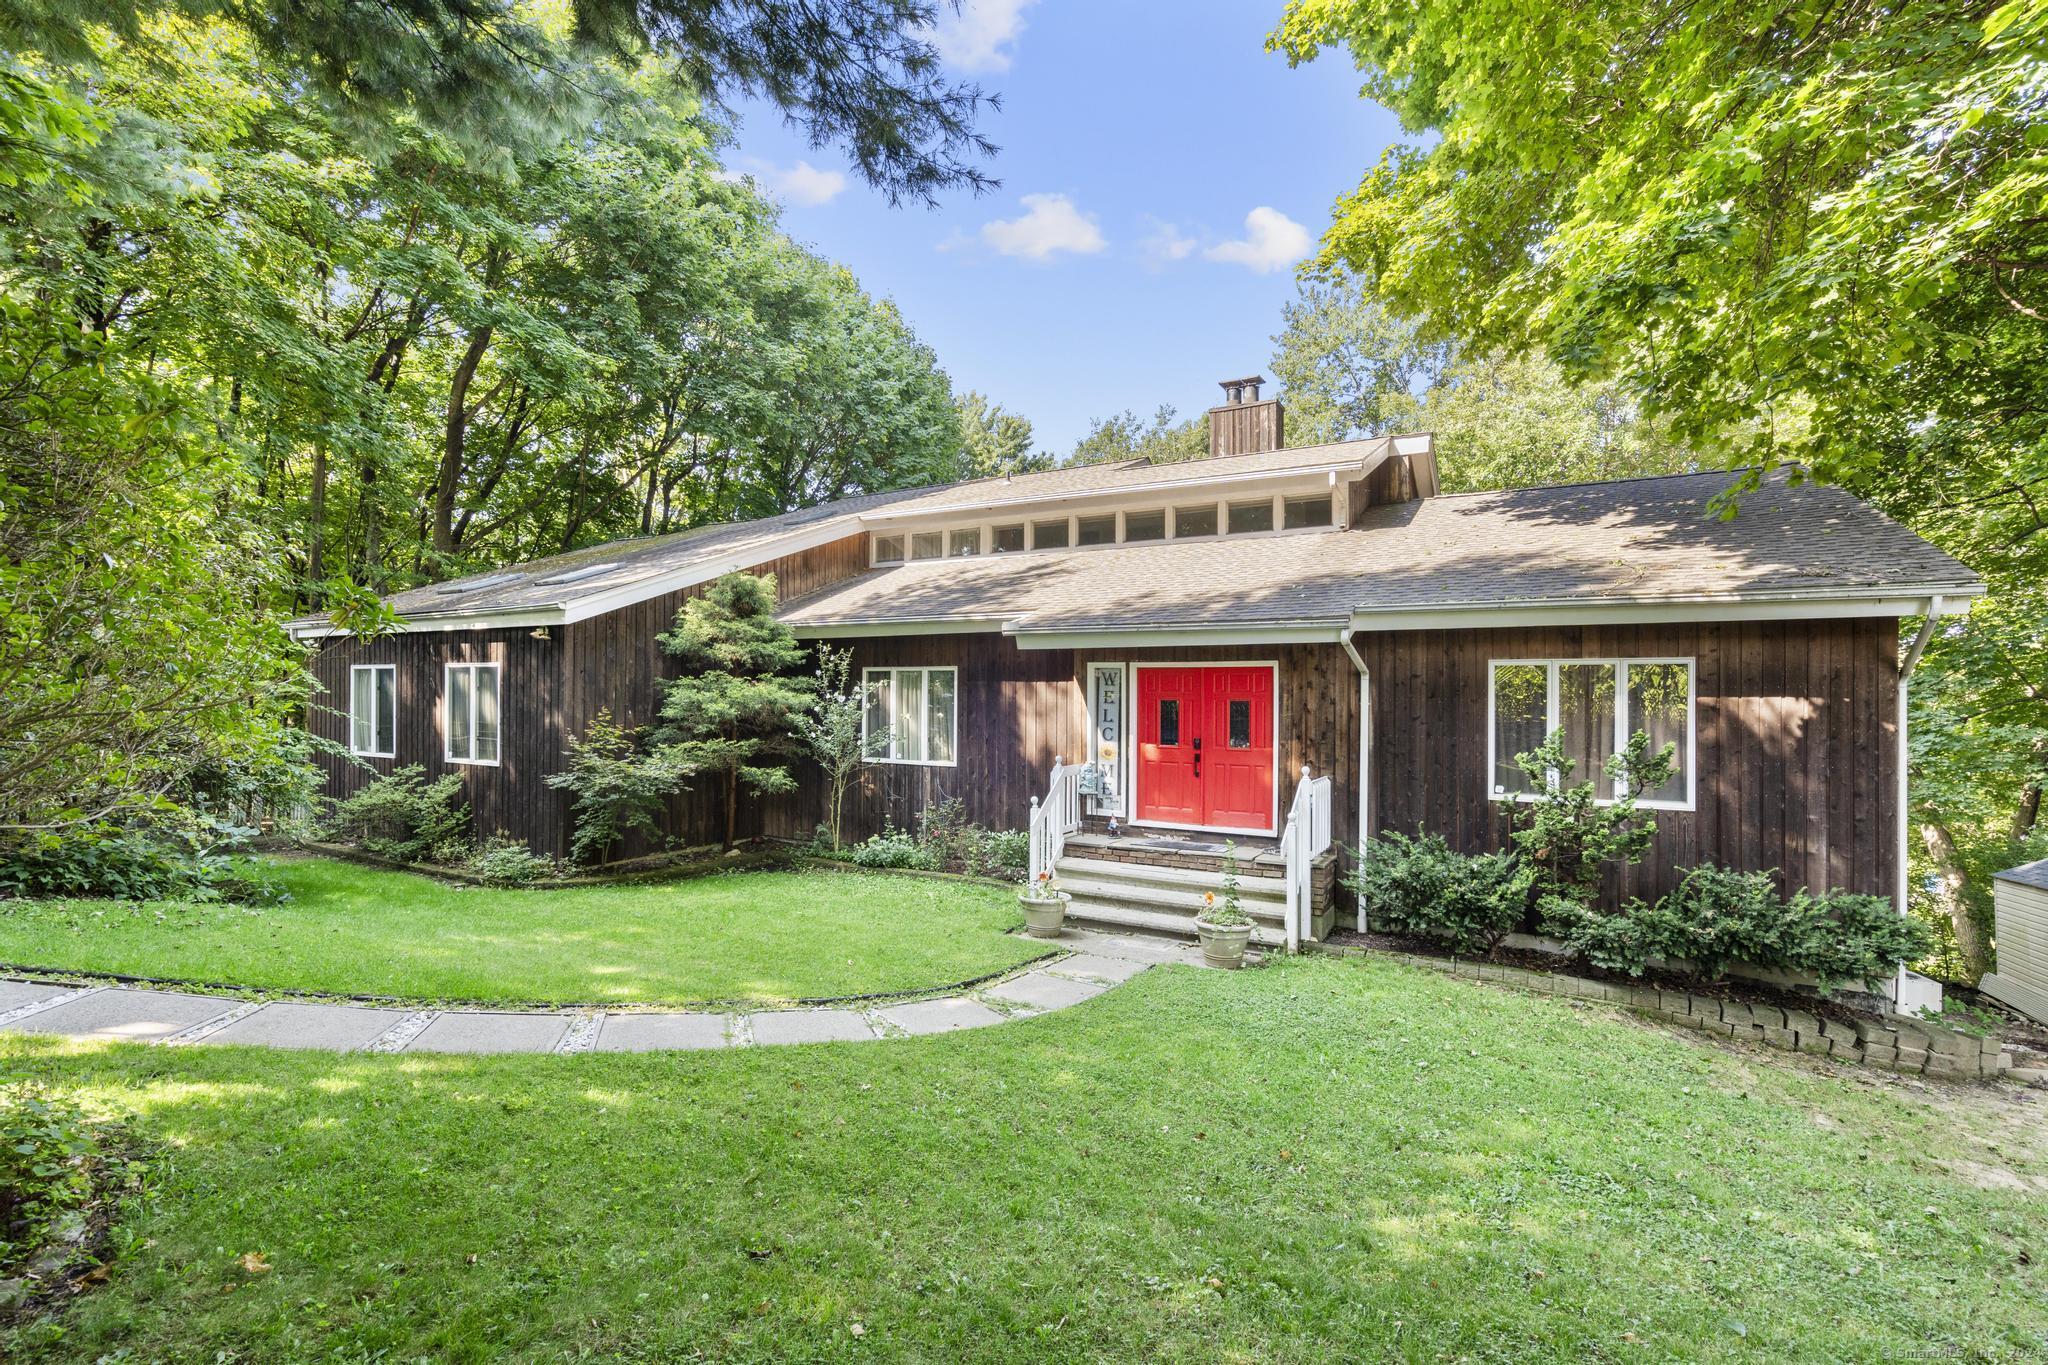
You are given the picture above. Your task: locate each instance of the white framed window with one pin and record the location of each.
(912, 715)
(888, 549)
(1598, 704)
(967, 542)
(373, 710)
(469, 713)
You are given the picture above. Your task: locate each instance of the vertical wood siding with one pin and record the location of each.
(550, 689)
(1797, 744)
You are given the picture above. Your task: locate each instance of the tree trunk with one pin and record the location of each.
(316, 519)
(2028, 813)
(448, 480)
(1951, 885)
(732, 805)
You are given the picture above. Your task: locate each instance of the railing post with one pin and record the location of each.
(1036, 835)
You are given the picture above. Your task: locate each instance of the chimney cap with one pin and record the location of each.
(1248, 379)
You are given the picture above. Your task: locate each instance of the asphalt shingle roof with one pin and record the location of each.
(2027, 874)
(1639, 539)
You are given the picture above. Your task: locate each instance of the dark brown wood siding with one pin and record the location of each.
(1021, 709)
(550, 689)
(1797, 743)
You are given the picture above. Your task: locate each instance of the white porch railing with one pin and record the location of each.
(1054, 818)
(1305, 838)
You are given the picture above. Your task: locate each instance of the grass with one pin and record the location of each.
(753, 936)
(1314, 1160)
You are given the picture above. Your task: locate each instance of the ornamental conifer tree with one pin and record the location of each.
(733, 713)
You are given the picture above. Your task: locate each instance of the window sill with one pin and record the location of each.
(912, 762)
(1526, 798)
(373, 753)
(472, 762)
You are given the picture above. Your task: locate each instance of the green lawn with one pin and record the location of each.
(756, 936)
(1315, 1160)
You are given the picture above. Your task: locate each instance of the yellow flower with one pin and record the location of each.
(1208, 898)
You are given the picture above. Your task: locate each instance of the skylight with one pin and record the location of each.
(478, 584)
(576, 575)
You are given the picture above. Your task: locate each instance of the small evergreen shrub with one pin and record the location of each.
(1003, 850)
(502, 860)
(1422, 886)
(403, 816)
(1716, 916)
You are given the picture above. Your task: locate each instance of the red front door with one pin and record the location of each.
(1205, 747)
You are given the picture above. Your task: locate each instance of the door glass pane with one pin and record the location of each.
(1585, 712)
(1302, 512)
(387, 710)
(1194, 521)
(1049, 535)
(965, 542)
(458, 713)
(879, 691)
(927, 545)
(910, 714)
(1169, 721)
(1520, 702)
(1240, 725)
(1002, 538)
(1250, 516)
(940, 717)
(487, 715)
(888, 549)
(1657, 700)
(1097, 531)
(1145, 525)
(359, 704)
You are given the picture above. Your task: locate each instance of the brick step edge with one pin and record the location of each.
(1893, 1044)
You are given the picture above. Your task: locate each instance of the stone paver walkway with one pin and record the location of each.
(1097, 961)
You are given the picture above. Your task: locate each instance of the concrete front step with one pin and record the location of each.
(1124, 915)
(1182, 880)
(1170, 900)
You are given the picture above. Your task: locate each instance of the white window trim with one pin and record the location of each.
(866, 674)
(985, 526)
(354, 669)
(447, 731)
(1551, 721)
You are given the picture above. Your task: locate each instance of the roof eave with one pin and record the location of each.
(1810, 604)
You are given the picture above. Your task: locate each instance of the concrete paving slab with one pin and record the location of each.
(1096, 967)
(1036, 990)
(656, 1032)
(808, 1026)
(940, 1016)
(486, 1032)
(15, 994)
(126, 1016)
(291, 1023)
(1130, 947)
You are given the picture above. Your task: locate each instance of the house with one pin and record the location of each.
(1289, 647)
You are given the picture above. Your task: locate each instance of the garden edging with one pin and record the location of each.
(1894, 1043)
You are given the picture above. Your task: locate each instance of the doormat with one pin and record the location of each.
(1180, 846)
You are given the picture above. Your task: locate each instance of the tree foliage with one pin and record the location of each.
(500, 78)
(735, 710)
(1814, 232)
(831, 730)
(1127, 436)
(993, 441)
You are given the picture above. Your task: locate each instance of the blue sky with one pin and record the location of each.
(1162, 173)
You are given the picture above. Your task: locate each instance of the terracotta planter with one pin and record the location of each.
(1223, 945)
(1043, 918)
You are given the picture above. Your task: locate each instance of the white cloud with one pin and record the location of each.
(1165, 244)
(1050, 224)
(1272, 241)
(977, 38)
(802, 184)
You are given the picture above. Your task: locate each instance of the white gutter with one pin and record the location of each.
(1912, 992)
(1364, 753)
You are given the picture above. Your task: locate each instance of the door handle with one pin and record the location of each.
(1198, 756)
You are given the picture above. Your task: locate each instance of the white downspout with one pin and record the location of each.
(1911, 992)
(1364, 748)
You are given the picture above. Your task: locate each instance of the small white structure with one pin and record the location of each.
(2021, 897)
